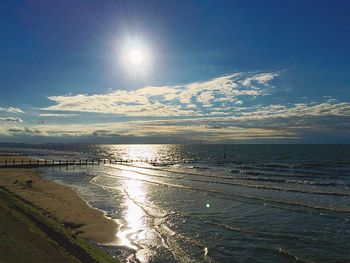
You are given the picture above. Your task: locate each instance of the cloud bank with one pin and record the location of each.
(215, 97)
(240, 107)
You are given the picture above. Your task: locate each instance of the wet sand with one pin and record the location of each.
(59, 202)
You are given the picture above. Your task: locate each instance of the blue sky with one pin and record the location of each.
(211, 71)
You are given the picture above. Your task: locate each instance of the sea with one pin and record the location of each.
(215, 203)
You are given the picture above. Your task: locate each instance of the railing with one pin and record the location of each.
(38, 163)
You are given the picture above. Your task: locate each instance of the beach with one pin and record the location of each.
(56, 202)
(284, 203)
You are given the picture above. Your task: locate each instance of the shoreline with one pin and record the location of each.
(57, 203)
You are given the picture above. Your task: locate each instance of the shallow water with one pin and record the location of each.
(216, 203)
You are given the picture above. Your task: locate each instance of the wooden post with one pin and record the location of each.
(86, 162)
(60, 161)
(104, 161)
(22, 162)
(45, 161)
(5, 162)
(13, 162)
(38, 162)
(67, 161)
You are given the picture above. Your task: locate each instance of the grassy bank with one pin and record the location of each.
(28, 235)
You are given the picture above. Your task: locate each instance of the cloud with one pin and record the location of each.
(236, 107)
(268, 122)
(57, 115)
(256, 123)
(11, 119)
(300, 110)
(194, 99)
(12, 110)
(153, 129)
(263, 78)
(25, 130)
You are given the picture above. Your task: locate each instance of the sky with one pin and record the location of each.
(232, 71)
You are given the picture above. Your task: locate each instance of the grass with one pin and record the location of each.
(28, 235)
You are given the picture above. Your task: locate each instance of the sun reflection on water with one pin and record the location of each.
(136, 194)
(135, 228)
(139, 216)
(143, 151)
(140, 151)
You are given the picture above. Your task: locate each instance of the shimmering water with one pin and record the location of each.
(217, 203)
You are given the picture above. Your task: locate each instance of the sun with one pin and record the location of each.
(136, 56)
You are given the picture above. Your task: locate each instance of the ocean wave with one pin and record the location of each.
(269, 187)
(233, 195)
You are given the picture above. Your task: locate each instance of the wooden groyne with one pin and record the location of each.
(67, 162)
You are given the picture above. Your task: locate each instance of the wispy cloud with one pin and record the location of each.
(57, 115)
(195, 99)
(25, 130)
(149, 129)
(263, 78)
(265, 122)
(12, 110)
(11, 119)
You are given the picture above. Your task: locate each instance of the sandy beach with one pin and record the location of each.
(59, 203)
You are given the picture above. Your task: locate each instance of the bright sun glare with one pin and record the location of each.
(136, 56)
